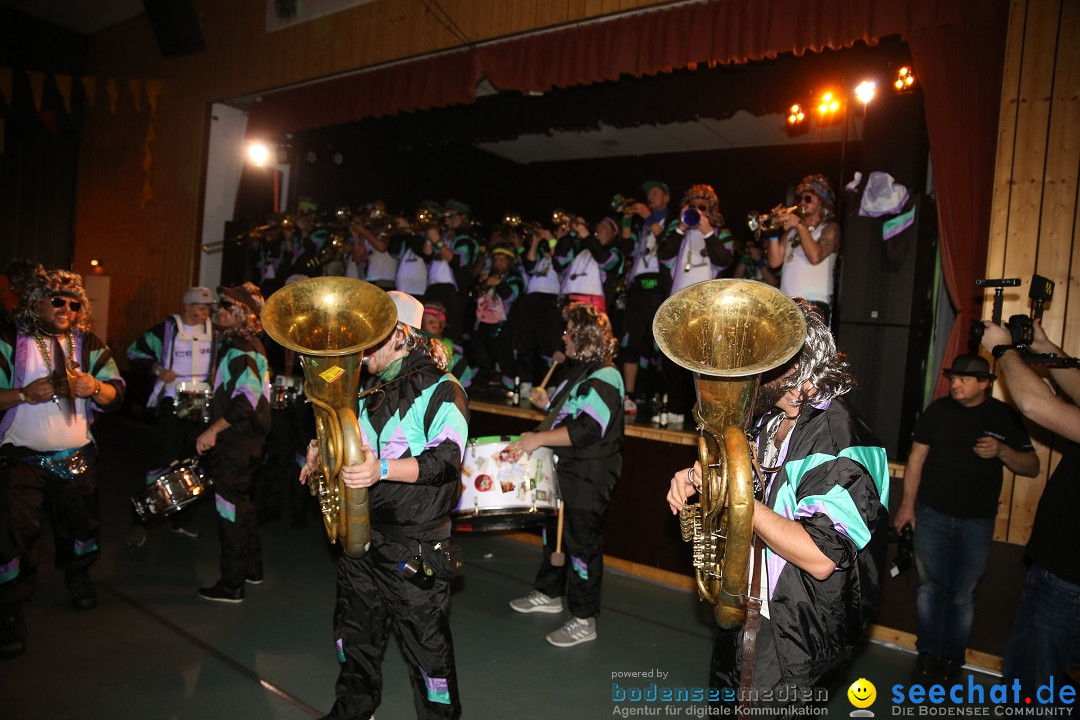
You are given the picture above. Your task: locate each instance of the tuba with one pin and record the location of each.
(330, 321)
(727, 332)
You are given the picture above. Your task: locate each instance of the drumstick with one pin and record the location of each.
(557, 358)
(557, 557)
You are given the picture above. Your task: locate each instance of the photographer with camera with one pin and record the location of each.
(1045, 637)
(952, 483)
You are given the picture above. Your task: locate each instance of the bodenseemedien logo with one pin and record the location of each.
(862, 694)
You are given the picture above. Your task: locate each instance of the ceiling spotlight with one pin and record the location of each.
(828, 104)
(258, 153)
(865, 91)
(95, 263)
(905, 80)
(795, 115)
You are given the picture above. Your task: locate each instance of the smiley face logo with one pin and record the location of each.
(862, 693)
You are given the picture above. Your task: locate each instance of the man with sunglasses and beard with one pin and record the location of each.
(54, 377)
(820, 526)
(413, 418)
(807, 249)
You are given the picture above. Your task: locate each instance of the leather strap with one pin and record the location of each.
(750, 628)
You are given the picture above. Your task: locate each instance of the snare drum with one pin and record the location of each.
(284, 392)
(193, 401)
(500, 495)
(171, 489)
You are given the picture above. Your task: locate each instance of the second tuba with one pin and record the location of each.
(330, 321)
(726, 332)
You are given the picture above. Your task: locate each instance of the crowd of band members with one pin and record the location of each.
(498, 291)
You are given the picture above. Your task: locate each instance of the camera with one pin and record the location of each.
(905, 552)
(1021, 327)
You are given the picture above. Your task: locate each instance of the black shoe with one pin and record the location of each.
(949, 670)
(254, 578)
(83, 594)
(221, 593)
(925, 669)
(12, 631)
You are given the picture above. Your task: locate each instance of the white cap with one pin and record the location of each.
(410, 311)
(199, 296)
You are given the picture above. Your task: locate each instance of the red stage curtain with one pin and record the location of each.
(960, 69)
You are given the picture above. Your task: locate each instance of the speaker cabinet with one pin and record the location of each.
(889, 362)
(887, 282)
(175, 25)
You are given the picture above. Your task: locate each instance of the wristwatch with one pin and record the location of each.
(1000, 350)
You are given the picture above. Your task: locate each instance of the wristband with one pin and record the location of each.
(384, 469)
(1000, 350)
(762, 263)
(627, 221)
(97, 388)
(22, 395)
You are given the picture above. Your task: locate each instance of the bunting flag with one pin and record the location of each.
(90, 89)
(6, 75)
(48, 119)
(153, 89)
(114, 94)
(63, 84)
(37, 87)
(136, 92)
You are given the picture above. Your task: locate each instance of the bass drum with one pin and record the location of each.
(500, 495)
(171, 489)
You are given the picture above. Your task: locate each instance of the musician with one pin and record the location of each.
(407, 248)
(535, 321)
(498, 291)
(434, 323)
(586, 259)
(414, 423)
(587, 431)
(644, 285)
(372, 250)
(55, 376)
(233, 442)
(806, 252)
(178, 349)
(453, 254)
(689, 255)
(753, 265)
(821, 526)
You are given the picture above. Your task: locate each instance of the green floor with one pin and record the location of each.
(154, 650)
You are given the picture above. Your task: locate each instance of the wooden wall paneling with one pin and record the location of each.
(1010, 105)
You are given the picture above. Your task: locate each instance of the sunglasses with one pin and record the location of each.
(59, 302)
(808, 198)
(224, 304)
(701, 208)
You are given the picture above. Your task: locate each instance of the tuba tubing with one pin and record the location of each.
(329, 322)
(727, 332)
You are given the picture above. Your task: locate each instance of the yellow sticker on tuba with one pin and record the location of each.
(331, 374)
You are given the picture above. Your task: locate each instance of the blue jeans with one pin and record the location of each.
(1046, 633)
(951, 555)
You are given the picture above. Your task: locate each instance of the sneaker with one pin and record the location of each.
(83, 594)
(220, 593)
(136, 536)
(537, 602)
(12, 630)
(629, 406)
(185, 531)
(574, 632)
(254, 578)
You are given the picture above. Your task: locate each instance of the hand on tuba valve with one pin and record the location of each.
(769, 221)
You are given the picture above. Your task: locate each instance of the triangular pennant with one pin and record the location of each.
(63, 84)
(6, 75)
(37, 87)
(153, 89)
(114, 94)
(90, 88)
(48, 119)
(136, 92)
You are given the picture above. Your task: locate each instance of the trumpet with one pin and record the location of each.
(512, 219)
(429, 216)
(623, 205)
(768, 221)
(560, 218)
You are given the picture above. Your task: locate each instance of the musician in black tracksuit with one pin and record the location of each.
(587, 433)
(414, 425)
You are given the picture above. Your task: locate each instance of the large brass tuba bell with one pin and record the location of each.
(330, 321)
(727, 332)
